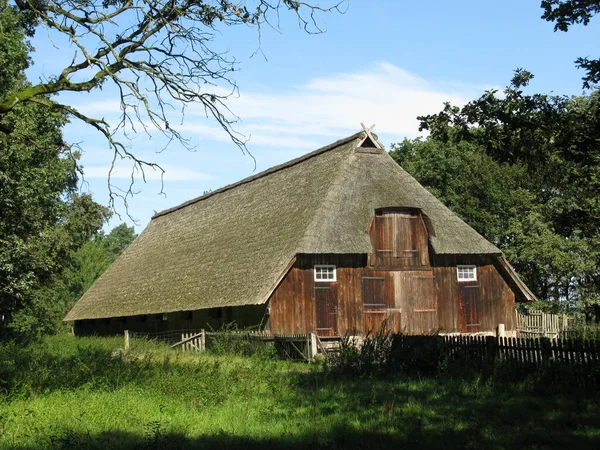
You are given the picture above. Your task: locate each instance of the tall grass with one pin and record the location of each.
(68, 393)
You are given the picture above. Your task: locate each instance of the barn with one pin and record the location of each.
(340, 240)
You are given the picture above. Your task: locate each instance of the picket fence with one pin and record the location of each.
(541, 324)
(578, 357)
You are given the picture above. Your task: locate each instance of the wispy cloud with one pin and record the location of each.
(331, 106)
(172, 173)
(335, 106)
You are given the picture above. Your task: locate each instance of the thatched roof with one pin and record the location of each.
(230, 246)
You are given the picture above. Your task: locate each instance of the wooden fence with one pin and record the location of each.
(486, 353)
(540, 324)
(290, 346)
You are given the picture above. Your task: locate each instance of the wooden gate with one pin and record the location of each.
(326, 309)
(469, 302)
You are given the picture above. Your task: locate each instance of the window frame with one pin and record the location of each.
(466, 266)
(327, 266)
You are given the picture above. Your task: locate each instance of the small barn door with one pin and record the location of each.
(469, 300)
(326, 303)
(378, 302)
(400, 239)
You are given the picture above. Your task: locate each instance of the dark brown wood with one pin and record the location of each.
(409, 299)
(400, 239)
(469, 303)
(379, 308)
(326, 305)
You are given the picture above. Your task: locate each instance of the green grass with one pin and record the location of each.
(76, 393)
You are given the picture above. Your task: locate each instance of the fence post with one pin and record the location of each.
(313, 346)
(501, 330)
(202, 340)
(126, 343)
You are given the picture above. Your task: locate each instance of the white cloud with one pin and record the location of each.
(320, 110)
(172, 173)
(334, 106)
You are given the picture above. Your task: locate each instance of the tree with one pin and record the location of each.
(43, 219)
(565, 13)
(158, 53)
(524, 170)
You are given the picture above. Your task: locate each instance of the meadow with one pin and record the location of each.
(83, 393)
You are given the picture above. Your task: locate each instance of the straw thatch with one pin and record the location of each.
(229, 247)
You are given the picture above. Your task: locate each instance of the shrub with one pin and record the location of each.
(366, 357)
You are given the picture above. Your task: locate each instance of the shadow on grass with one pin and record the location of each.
(314, 410)
(383, 414)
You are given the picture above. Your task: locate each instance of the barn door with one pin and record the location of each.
(378, 302)
(469, 299)
(327, 309)
(416, 295)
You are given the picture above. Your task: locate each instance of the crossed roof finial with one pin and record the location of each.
(370, 136)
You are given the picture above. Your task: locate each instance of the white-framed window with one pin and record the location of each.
(466, 273)
(324, 272)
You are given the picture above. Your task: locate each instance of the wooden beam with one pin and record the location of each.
(370, 136)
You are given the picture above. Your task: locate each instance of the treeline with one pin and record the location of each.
(524, 171)
(51, 246)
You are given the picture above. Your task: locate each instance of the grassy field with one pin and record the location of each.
(78, 393)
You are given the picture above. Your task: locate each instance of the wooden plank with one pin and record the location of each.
(186, 337)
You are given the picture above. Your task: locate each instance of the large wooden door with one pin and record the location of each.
(326, 303)
(415, 295)
(469, 302)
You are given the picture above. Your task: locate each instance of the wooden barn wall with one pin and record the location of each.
(415, 296)
(214, 318)
(417, 300)
(472, 306)
(399, 239)
(379, 302)
(293, 304)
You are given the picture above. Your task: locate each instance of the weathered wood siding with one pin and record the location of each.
(412, 300)
(379, 302)
(415, 297)
(399, 239)
(293, 305)
(472, 306)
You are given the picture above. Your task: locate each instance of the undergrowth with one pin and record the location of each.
(82, 393)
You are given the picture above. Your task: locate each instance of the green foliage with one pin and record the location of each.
(361, 358)
(565, 13)
(524, 171)
(230, 340)
(80, 393)
(44, 220)
(14, 49)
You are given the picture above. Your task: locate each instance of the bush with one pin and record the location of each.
(229, 340)
(366, 357)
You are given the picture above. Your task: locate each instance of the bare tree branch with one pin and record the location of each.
(159, 54)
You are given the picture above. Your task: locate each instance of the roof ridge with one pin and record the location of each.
(259, 175)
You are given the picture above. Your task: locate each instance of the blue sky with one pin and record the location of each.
(382, 62)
